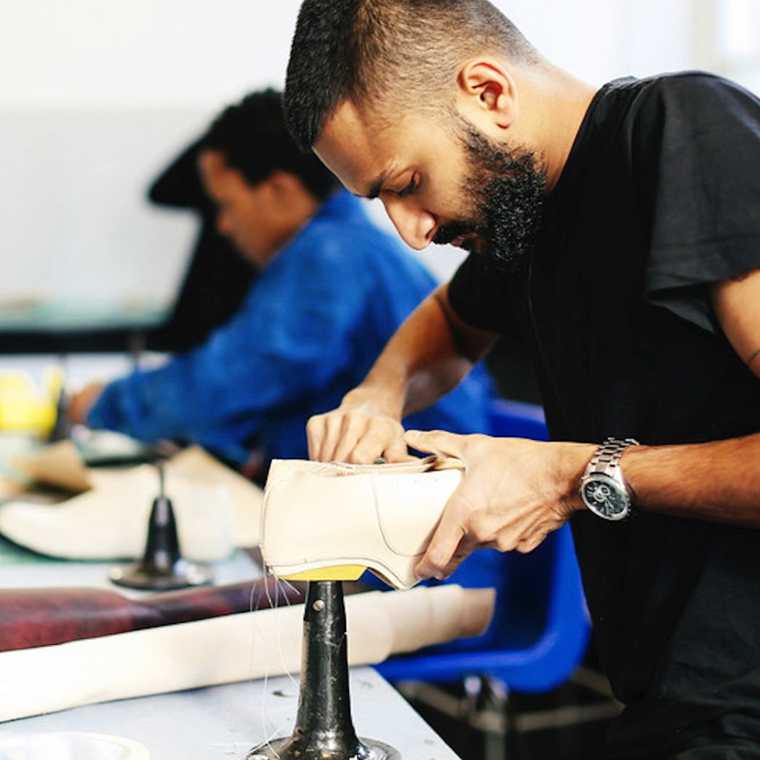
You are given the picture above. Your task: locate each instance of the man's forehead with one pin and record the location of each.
(356, 148)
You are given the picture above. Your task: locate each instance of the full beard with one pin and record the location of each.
(504, 191)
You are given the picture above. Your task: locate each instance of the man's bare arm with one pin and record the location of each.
(434, 350)
(737, 306)
(719, 480)
(427, 357)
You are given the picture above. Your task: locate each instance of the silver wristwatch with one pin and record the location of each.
(604, 490)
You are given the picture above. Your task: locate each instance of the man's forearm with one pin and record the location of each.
(428, 356)
(717, 481)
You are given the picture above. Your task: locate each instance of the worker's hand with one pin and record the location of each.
(360, 430)
(81, 403)
(513, 493)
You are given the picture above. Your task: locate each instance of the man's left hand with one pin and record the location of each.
(513, 493)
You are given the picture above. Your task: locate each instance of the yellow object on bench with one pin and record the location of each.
(24, 408)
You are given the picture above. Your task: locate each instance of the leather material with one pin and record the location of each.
(216, 509)
(229, 648)
(320, 515)
(111, 522)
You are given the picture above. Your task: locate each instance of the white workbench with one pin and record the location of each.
(226, 722)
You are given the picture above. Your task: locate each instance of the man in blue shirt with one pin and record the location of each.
(331, 290)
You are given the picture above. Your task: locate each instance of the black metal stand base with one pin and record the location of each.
(288, 749)
(324, 730)
(162, 567)
(182, 574)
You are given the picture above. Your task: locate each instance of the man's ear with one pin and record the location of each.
(487, 94)
(283, 183)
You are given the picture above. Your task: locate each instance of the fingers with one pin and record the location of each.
(359, 440)
(441, 557)
(436, 442)
(398, 452)
(321, 440)
(333, 436)
(439, 568)
(450, 544)
(378, 442)
(355, 437)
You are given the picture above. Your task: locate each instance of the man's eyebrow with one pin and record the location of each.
(376, 186)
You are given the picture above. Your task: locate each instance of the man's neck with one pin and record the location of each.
(554, 104)
(300, 209)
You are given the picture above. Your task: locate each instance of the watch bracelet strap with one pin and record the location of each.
(606, 458)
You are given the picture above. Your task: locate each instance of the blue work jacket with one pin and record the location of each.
(311, 327)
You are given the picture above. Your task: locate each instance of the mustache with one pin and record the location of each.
(446, 233)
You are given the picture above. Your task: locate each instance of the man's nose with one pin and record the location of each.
(416, 226)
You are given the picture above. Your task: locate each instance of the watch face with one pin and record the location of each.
(606, 498)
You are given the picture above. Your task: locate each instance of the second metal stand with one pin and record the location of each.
(162, 567)
(324, 730)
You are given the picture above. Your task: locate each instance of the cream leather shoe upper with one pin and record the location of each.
(318, 515)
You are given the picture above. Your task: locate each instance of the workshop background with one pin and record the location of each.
(96, 97)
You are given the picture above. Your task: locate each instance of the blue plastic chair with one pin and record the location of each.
(540, 627)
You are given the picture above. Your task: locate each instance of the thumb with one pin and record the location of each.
(397, 452)
(435, 442)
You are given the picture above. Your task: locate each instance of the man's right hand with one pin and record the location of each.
(423, 361)
(360, 431)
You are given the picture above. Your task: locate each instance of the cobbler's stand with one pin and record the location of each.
(324, 729)
(162, 567)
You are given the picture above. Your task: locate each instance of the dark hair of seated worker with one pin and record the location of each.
(254, 139)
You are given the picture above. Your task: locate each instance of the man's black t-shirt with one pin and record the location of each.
(659, 198)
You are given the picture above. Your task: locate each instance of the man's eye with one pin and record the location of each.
(411, 187)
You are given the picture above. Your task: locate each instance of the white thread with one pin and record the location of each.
(264, 712)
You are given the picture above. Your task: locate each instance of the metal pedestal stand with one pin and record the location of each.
(324, 730)
(162, 567)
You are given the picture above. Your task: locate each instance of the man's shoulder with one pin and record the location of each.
(695, 107)
(700, 93)
(683, 81)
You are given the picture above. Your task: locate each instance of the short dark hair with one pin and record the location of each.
(399, 51)
(255, 141)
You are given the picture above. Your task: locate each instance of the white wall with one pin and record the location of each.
(95, 96)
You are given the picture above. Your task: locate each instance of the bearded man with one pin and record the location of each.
(617, 229)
